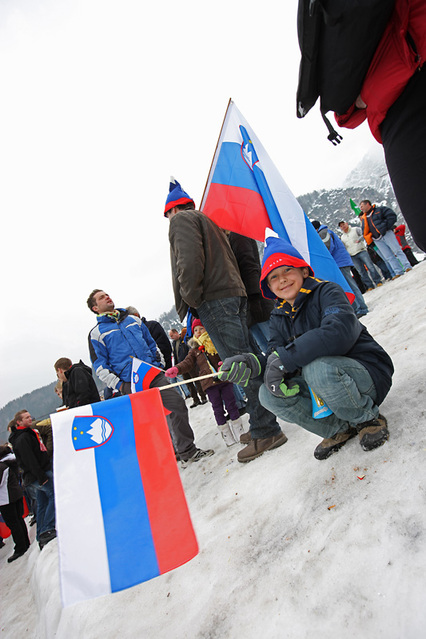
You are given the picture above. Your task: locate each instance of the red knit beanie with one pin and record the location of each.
(195, 323)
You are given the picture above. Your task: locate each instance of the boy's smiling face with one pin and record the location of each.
(286, 281)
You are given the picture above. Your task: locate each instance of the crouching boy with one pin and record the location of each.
(318, 343)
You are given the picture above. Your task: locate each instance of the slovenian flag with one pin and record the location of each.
(246, 194)
(121, 513)
(142, 375)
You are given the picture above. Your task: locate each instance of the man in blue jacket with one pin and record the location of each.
(113, 342)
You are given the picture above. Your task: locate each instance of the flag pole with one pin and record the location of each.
(214, 154)
(186, 381)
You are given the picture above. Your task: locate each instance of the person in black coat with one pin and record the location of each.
(158, 334)
(35, 462)
(78, 386)
(258, 308)
(12, 502)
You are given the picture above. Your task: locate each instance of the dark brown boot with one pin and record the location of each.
(246, 438)
(329, 446)
(257, 447)
(373, 433)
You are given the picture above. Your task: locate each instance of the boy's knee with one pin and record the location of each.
(319, 372)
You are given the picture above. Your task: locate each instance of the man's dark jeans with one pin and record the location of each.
(225, 321)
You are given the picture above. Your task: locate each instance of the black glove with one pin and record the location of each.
(274, 378)
(239, 369)
(126, 388)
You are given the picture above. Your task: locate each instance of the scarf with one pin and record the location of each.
(114, 315)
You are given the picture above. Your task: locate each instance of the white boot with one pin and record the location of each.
(237, 429)
(227, 434)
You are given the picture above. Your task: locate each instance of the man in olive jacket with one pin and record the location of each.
(206, 279)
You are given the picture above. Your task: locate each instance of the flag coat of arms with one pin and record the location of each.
(246, 194)
(121, 513)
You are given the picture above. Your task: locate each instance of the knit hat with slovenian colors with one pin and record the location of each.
(278, 252)
(176, 196)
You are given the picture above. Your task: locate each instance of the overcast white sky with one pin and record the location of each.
(101, 101)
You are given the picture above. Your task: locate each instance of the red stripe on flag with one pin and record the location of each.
(174, 537)
(148, 377)
(237, 209)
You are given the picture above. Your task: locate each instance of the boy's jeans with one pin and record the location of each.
(225, 321)
(344, 385)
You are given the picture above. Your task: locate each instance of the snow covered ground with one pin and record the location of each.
(290, 547)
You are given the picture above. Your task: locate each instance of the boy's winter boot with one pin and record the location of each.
(237, 429)
(373, 433)
(329, 446)
(227, 434)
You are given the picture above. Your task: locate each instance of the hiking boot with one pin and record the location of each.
(237, 429)
(373, 433)
(257, 447)
(245, 438)
(329, 446)
(227, 434)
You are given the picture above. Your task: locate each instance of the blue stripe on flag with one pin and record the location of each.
(130, 548)
(231, 170)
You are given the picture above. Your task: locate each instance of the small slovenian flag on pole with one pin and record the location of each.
(122, 516)
(246, 194)
(142, 375)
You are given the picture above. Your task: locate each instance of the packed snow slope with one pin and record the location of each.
(290, 547)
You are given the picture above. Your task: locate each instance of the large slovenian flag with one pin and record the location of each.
(121, 513)
(245, 193)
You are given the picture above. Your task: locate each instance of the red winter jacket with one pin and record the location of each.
(401, 51)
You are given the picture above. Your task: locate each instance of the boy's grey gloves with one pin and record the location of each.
(274, 378)
(239, 369)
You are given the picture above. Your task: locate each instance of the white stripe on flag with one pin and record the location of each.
(83, 557)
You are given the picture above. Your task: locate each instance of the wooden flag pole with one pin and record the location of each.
(186, 381)
(214, 154)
